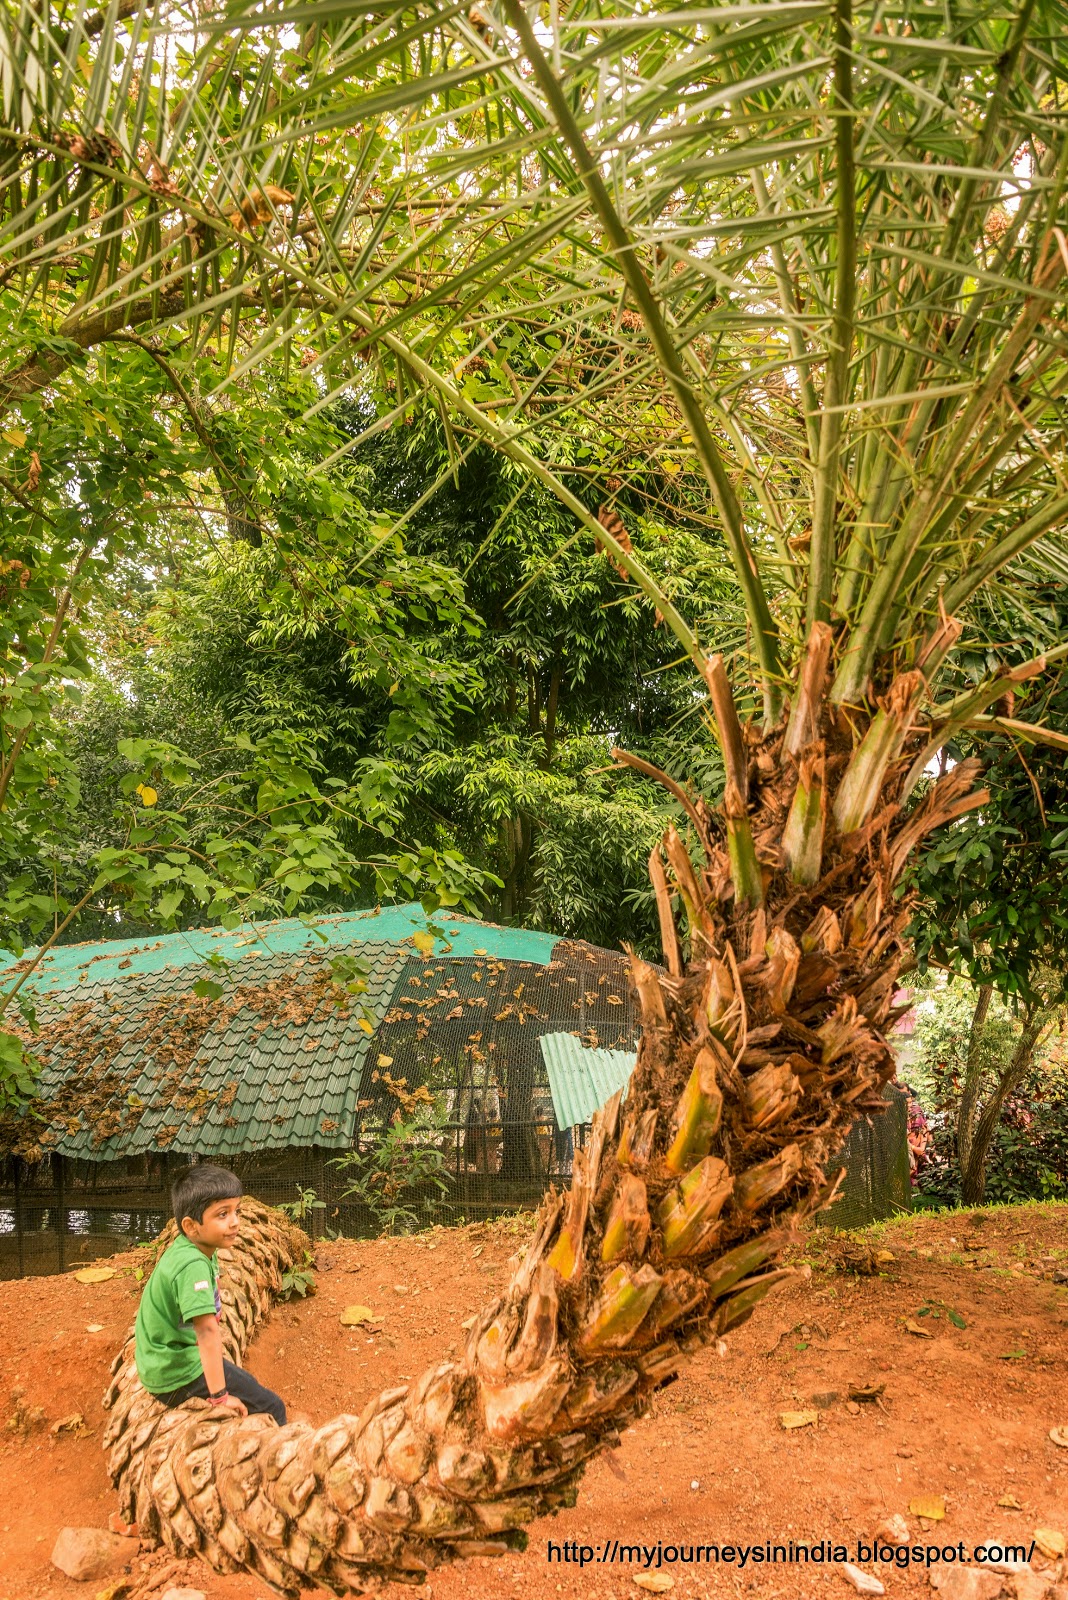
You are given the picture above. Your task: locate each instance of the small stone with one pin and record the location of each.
(87, 1553)
(1028, 1585)
(825, 1399)
(894, 1530)
(183, 1594)
(965, 1583)
(1001, 1564)
(1051, 1542)
(695, 1483)
(852, 1408)
(862, 1582)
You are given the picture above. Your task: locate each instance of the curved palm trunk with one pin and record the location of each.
(757, 1053)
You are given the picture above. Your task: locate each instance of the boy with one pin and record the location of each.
(177, 1337)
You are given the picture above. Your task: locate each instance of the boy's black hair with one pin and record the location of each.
(201, 1186)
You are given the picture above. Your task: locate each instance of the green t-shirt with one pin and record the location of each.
(183, 1285)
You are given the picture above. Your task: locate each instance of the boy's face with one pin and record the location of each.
(218, 1227)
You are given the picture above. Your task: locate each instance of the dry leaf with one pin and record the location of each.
(95, 1274)
(798, 1419)
(114, 1590)
(655, 1582)
(385, 1061)
(477, 1251)
(866, 1391)
(74, 1423)
(1060, 1436)
(1051, 1542)
(931, 1506)
(94, 1327)
(424, 942)
(884, 1256)
(1010, 1503)
(914, 1327)
(352, 1316)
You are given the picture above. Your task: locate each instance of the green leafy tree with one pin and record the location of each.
(995, 1077)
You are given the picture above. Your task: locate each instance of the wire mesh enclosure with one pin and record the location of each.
(877, 1182)
(297, 1084)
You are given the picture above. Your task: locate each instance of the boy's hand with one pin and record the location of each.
(234, 1405)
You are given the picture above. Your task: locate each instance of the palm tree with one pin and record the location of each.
(809, 255)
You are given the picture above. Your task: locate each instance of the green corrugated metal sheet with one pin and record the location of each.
(72, 965)
(581, 1079)
(142, 1064)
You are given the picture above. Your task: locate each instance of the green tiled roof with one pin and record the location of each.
(143, 1064)
(582, 1079)
(71, 965)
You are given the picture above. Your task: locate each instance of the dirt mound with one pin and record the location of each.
(960, 1340)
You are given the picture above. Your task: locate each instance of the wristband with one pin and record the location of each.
(218, 1399)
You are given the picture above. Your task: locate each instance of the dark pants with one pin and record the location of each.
(241, 1385)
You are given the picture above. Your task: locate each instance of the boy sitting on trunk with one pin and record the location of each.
(177, 1338)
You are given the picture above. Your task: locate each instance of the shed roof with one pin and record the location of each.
(582, 1079)
(134, 1060)
(69, 965)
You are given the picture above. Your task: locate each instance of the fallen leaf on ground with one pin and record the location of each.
(798, 1419)
(94, 1327)
(1060, 1436)
(352, 1316)
(1010, 1503)
(914, 1327)
(655, 1582)
(477, 1251)
(95, 1274)
(75, 1423)
(120, 1587)
(956, 1319)
(1051, 1542)
(931, 1506)
(862, 1582)
(883, 1256)
(866, 1391)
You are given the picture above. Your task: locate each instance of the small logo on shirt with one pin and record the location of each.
(205, 1285)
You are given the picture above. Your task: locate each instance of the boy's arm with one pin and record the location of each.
(210, 1350)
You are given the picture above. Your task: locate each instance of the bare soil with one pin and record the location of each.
(965, 1414)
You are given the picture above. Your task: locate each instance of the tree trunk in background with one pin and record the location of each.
(761, 1044)
(973, 1074)
(1037, 1021)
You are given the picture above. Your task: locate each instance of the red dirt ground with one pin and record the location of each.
(965, 1414)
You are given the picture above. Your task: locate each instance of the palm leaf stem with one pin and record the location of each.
(764, 626)
(825, 485)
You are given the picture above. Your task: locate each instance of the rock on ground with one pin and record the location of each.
(88, 1553)
(862, 1581)
(966, 1583)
